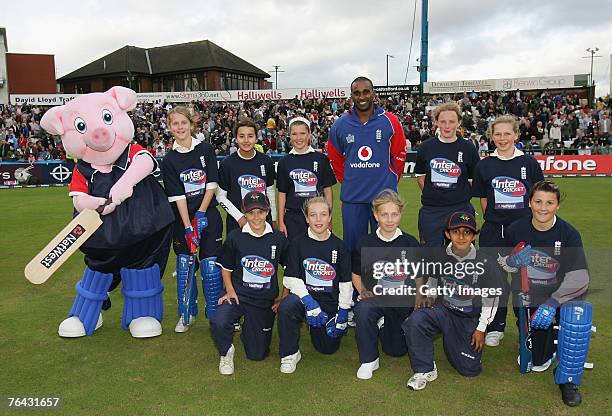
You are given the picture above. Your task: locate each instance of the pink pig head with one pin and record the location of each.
(94, 127)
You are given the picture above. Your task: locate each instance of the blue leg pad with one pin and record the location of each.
(187, 285)
(142, 290)
(212, 284)
(573, 341)
(91, 292)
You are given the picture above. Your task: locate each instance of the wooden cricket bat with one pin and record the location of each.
(63, 245)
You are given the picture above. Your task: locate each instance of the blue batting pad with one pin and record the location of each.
(142, 290)
(212, 284)
(186, 285)
(91, 292)
(573, 341)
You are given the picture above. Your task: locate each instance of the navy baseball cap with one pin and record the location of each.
(254, 200)
(461, 219)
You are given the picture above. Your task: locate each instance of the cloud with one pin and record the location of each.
(328, 43)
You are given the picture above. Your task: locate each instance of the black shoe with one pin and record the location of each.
(106, 304)
(570, 394)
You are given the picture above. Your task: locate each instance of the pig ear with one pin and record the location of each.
(51, 121)
(125, 97)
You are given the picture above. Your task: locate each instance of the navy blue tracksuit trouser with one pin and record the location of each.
(367, 313)
(425, 323)
(256, 333)
(291, 313)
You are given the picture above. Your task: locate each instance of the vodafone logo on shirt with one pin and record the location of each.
(364, 154)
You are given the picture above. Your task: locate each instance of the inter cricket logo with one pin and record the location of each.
(386, 277)
(193, 177)
(319, 274)
(364, 153)
(250, 183)
(445, 167)
(61, 247)
(508, 186)
(543, 262)
(318, 269)
(257, 266)
(303, 177)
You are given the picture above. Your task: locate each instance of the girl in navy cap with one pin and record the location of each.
(249, 260)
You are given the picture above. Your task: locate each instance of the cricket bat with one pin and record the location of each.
(525, 345)
(63, 245)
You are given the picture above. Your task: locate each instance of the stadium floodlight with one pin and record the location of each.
(388, 56)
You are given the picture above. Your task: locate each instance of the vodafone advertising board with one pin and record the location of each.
(576, 165)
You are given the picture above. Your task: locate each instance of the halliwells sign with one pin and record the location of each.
(576, 165)
(188, 96)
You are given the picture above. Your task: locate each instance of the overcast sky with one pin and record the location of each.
(328, 43)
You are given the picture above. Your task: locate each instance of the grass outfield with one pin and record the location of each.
(111, 373)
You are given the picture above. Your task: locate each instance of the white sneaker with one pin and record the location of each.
(539, 368)
(366, 370)
(351, 319)
(73, 327)
(237, 327)
(381, 322)
(226, 362)
(418, 381)
(181, 327)
(493, 338)
(289, 363)
(145, 327)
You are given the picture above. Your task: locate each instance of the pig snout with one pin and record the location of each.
(100, 139)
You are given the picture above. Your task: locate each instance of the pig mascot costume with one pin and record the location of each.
(135, 237)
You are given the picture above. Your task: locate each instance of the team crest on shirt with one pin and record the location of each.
(523, 172)
(319, 274)
(257, 272)
(203, 161)
(378, 135)
(557, 248)
(262, 169)
(460, 157)
(273, 250)
(350, 138)
(334, 256)
(315, 166)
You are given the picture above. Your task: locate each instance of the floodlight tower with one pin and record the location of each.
(424, 42)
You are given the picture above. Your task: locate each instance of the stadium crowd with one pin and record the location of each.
(549, 124)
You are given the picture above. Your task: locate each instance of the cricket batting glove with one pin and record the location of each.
(520, 259)
(543, 317)
(199, 223)
(336, 327)
(193, 242)
(315, 317)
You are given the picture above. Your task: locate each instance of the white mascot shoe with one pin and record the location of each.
(145, 327)
(73, 327)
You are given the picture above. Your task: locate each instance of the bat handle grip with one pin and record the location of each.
(104, 205)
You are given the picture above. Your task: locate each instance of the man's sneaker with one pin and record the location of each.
(181, 327)
(289, 363)
(226, 362)
(418, 381)
(366, 370)
(493, 338)
(381, 322)
(570, 394)
(351, 319)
